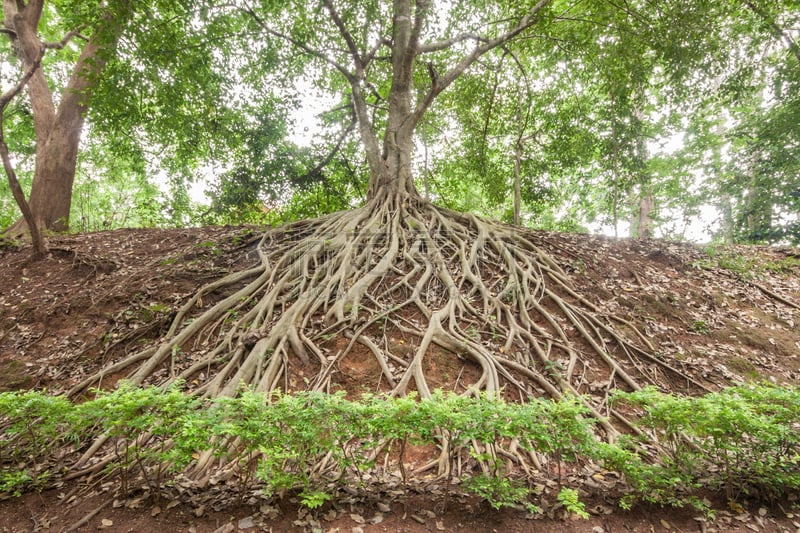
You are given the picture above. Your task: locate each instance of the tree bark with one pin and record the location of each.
(725, 202)
(517, 180)
(393, 177)
(642, 227)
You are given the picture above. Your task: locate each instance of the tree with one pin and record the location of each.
(273, 181)
(508, 119)
(16, 189)
(58, 121)
(589, 96)
(763, 181)
(410, 284)
(154, 81)
(742, 138)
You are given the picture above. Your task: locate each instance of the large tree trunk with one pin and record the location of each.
(393, 178)
(58, 131)
(51, 193)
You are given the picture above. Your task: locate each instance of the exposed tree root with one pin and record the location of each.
(401, 281)
(85, 520)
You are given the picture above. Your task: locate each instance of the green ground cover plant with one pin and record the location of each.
(744, 440)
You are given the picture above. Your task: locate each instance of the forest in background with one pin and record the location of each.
(644, 119)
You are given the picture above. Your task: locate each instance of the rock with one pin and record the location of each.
(247, 523)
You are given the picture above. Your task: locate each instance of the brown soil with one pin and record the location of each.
(98, 296)
(410, 514)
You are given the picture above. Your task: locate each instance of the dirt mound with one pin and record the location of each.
(62, 318)
(101, 293)
(717, 316)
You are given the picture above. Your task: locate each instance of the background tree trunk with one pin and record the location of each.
(642, 225)
(51, 193)
(517, 181)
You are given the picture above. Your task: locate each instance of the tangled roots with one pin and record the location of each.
(400, 296)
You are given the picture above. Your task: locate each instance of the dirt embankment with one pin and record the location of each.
(725, 316)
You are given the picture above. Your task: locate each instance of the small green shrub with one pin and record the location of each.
(500, 492)
(35, 425)
(569, 499)
(14, 482)
(743, 440)
(142, 423)
(750, 435)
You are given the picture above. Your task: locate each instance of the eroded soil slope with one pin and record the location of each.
(720, 315)
(726, 316)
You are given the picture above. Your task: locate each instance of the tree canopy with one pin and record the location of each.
(568, 103)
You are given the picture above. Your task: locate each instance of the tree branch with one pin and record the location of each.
(16, 189)
(10, 94)
(58, 45)
(527, 85)
(420, 14)
(299, 44)
(445, 81)
(365, 130)
(33, 12)
(28, 47)
(442, 45)
(348, 38)
(383, 41)
(405, 39)
(359, 102)
(774, 28)
(328, 158)
(368, 137)
(526, 22)
(489, 111)
(9, 9)
(76, 95)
